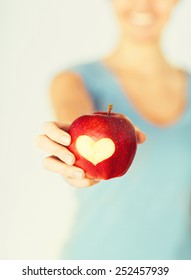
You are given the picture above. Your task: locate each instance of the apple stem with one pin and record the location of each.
(110, 107)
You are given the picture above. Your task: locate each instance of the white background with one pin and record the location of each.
(38, 38)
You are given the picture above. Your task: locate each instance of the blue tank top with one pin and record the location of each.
(144, 214)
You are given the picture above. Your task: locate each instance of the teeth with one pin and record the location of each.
(143, 19)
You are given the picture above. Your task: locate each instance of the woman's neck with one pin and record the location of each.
(146, 58)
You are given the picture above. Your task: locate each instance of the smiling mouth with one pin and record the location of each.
(141, 19)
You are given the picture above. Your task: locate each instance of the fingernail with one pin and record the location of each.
(78, 174)
(69, 159)
(65, 140)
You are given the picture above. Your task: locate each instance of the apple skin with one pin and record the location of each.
(100, 125)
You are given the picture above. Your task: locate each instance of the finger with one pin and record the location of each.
(84, 183)
(57, 132)
(141, 137)
(53, 164)
(53, 148)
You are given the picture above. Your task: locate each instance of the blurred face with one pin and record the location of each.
(143, 19)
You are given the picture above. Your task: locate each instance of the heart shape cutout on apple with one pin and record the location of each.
(95, 152)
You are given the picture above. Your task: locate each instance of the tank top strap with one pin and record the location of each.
(95, 81)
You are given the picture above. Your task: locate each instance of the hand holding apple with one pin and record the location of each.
(104, 144)
(55, 140)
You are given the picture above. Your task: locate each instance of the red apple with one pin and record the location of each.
(103, 143)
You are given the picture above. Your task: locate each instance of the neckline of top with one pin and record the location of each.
(143, 120)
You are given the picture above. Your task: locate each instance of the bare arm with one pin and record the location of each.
(69, 97)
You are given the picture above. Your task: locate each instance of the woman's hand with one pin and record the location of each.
(54, 141)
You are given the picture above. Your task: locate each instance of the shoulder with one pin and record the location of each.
(65, 79)
(67, 87)
(67, 92)
(74, 76)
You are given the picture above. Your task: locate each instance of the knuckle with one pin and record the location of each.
(70, 181)
(73, 182)
(87, 183)
(84, 183)
(54, 133)
(49, 126)
(63, 171)
(90, 183)
(58, 151)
